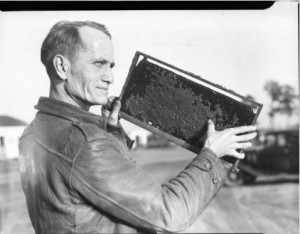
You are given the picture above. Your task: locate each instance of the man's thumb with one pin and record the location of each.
(114, 114)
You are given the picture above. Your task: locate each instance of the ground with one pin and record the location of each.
(270, 205)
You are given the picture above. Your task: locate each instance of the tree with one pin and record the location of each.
(287, 98)
(274, 90)
(282, 99)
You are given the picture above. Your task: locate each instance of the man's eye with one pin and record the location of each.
(99, 63)
(104, 63)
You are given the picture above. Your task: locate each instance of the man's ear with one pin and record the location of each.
(61, 66)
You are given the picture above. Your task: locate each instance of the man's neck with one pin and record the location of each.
(63, 96)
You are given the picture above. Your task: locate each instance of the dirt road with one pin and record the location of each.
(269, 206)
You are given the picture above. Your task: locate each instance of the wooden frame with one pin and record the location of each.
(148, 126)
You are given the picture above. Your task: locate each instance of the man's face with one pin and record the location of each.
(90, 73)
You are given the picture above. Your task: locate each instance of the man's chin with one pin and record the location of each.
(99, 102)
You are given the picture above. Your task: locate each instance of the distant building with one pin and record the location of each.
(11, 130)
(140, 137)
(146, 139)
(156, 141)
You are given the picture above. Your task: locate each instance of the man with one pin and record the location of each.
(77, 173)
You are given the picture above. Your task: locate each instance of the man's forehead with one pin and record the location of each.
(96, 41)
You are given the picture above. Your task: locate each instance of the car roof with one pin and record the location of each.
(279, 131)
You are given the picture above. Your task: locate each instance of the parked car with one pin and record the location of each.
(273, 152)
(155, 141)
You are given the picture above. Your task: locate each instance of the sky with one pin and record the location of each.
(240, 50)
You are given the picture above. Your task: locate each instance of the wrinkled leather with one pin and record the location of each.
(79, 177)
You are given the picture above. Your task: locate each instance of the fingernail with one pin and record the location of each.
(117, 102)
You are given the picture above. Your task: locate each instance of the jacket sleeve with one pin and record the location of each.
(115, 185)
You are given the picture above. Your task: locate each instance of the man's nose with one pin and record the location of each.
(108, 76)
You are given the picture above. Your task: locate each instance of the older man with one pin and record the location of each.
(77, 172)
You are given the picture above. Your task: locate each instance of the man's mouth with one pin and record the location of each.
(103, 89)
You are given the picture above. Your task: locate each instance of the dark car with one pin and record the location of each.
(155, 141)
(273, 152)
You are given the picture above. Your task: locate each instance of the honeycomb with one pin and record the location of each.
(178, 106)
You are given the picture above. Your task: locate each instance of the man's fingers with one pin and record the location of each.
(108, 106)
(237, 154)
(115, 110)
(211, 126)
(246, 137)
(242, 145)
(105, 109)
(111, 110)
(105, 112)
(243, 129)
(111, 98)
(114, 114)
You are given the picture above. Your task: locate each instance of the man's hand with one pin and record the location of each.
(110, 111)
(227, 142)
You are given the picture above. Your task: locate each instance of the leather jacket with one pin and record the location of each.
(79, 177)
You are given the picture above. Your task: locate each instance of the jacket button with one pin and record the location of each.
(215, 180)
(206, 165)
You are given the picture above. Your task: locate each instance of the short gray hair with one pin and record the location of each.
(64, 39)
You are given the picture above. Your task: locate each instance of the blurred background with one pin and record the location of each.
(252, 52)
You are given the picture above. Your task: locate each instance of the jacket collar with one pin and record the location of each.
(68, 111)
